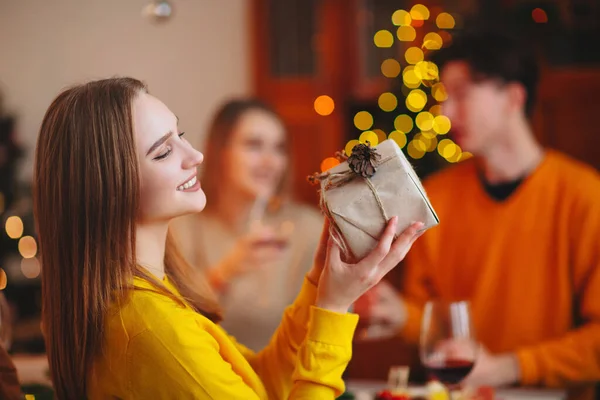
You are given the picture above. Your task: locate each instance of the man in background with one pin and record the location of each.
(519, 235)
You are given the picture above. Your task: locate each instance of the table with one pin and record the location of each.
(33, 369)
(366, 390)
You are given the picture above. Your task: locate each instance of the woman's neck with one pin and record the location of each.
(151, 241)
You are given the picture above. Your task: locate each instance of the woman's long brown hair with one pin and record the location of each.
(219, 136)
(86, 197)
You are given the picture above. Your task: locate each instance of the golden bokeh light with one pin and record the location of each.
(416, 149)
(401, 18)
(445, 21)
(432, 41)
(424, 121)
(410, 78)
(383, 38)
(406, 33)
(428, 72)
(416, 100)
(324, 105)
(419, 144)
(441, 124)
(438, 91)
(436, 110)
(414, 55)
(403, 123)
(350, 145)
(429, 142)
(456, 157)
(30, 267)
(27, 247)
(419, 12)
(381, 135)
(387, 101)
(3, 279)
(447, 148)
(14, 227)
(390, 68)
(428, 134)
(432, 144)
(399, 138)
(329, 163)
(363, 120)
(431, 45)
(369, 136)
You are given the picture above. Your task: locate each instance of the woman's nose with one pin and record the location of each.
(193, 159)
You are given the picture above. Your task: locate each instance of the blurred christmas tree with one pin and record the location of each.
(19, 267)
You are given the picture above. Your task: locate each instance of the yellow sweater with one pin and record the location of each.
(530, 265)
(157, 349)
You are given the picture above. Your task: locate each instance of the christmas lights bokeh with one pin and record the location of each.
(420, 127)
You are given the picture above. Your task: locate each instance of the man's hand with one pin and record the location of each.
(494, 370)
(382, 312)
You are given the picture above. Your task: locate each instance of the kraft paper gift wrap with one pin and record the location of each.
(359, 207)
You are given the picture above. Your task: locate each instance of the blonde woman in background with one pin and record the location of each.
(254, 242)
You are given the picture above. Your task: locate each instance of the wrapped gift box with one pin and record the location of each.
(362, 193)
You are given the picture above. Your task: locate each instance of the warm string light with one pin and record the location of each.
(27, 246)
(324, 105)
(14, 227)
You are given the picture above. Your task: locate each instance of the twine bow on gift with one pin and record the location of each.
(362, 162)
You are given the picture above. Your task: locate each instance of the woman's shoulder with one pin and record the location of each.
(148, 308)
(145, 327)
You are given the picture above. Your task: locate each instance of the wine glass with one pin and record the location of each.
(448, 347)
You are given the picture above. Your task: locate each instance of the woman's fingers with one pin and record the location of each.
(383, 247)
(401, 247)
(321, 254)
(333, 254)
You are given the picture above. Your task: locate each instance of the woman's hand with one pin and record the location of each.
(341, 284)
(319, 263)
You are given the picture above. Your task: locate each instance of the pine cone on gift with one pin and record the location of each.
(363, 159)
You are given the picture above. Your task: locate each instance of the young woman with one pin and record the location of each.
(124, 316)
(253, 241)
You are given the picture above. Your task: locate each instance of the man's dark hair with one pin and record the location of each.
(494, 54)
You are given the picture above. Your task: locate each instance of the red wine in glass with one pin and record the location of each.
(452, 371)
(448, 347)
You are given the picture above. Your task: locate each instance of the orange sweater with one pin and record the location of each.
(530, 266)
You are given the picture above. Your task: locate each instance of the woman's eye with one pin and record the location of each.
(163, 155)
